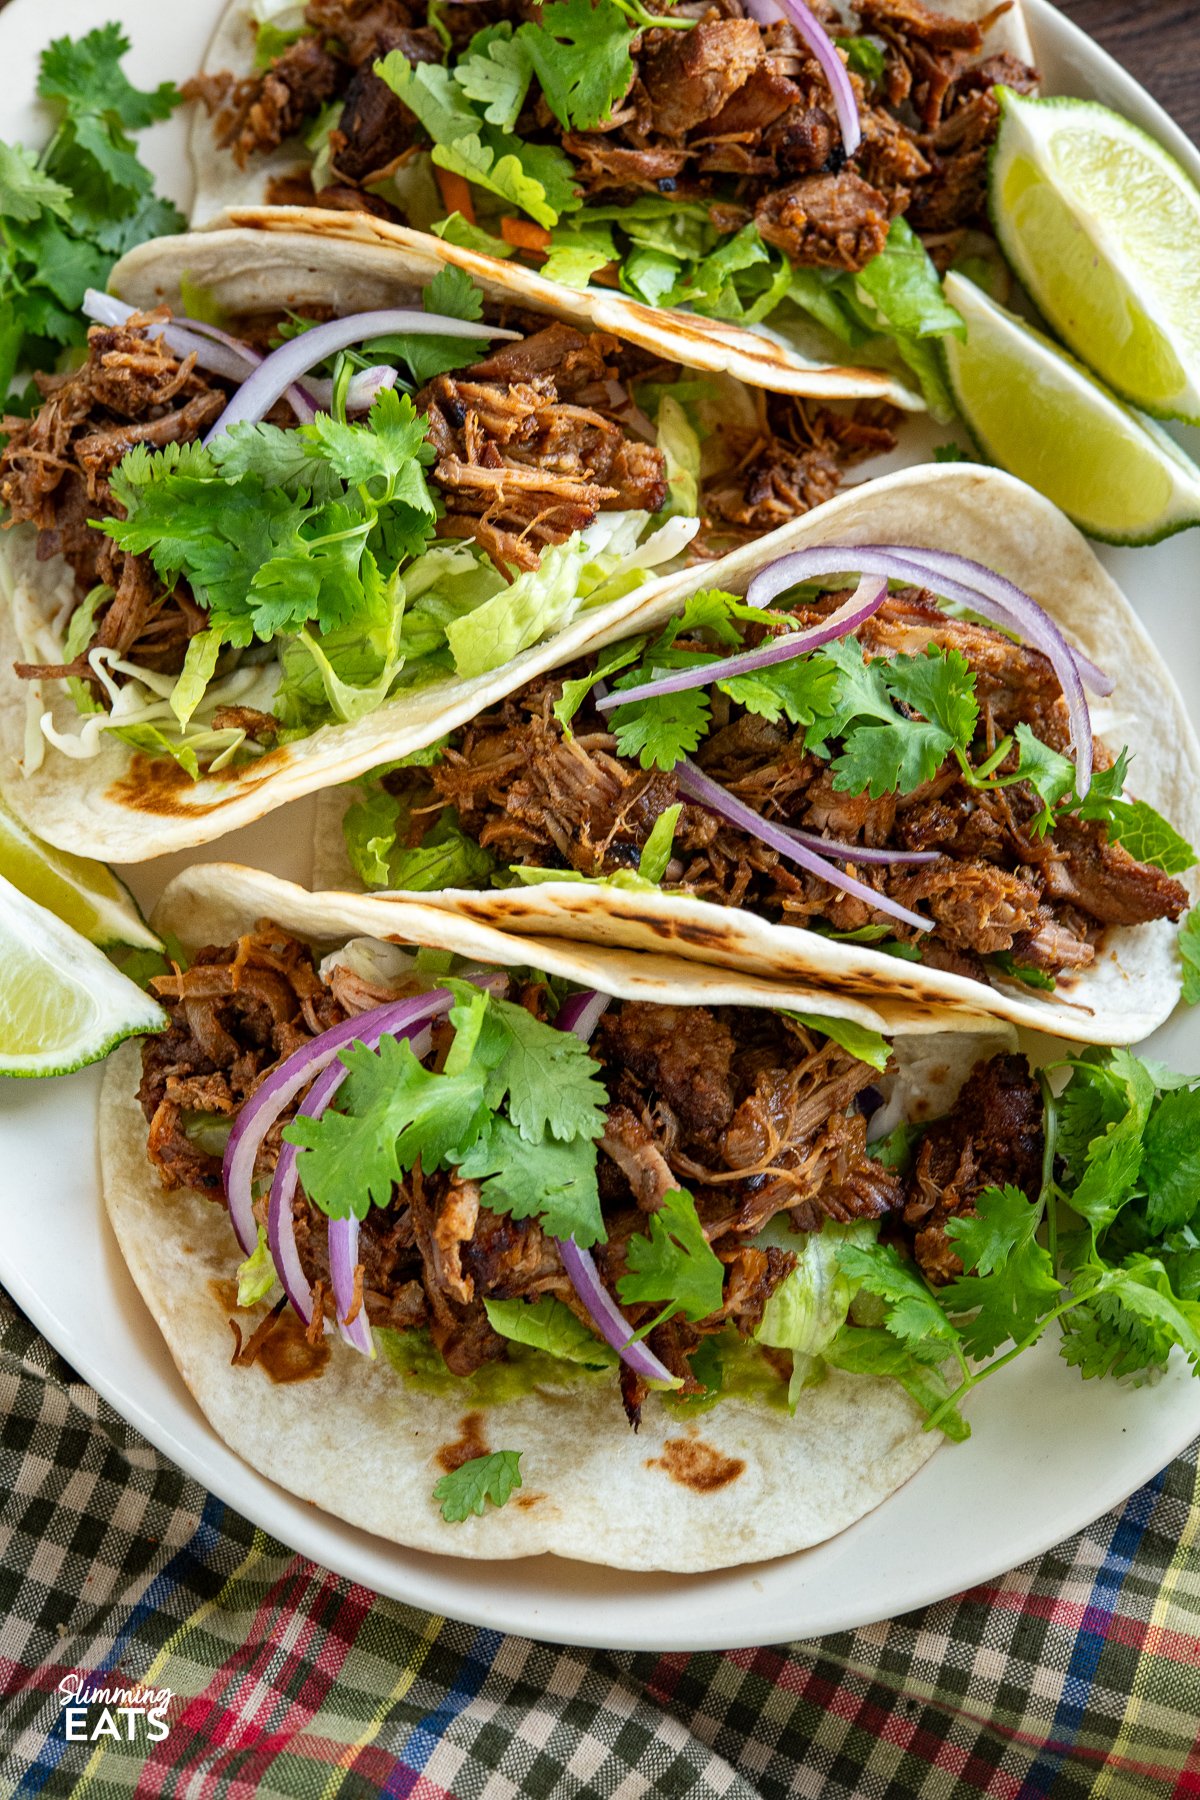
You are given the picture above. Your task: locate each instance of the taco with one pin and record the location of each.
(246, 561)
(831, 768)
(780, 168)
(601, 1145)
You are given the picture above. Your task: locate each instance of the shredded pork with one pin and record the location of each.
(755, 1116)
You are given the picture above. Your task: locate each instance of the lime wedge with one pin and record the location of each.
(1036, 412)
(82, 893)
(62, 1004)
(1103, 227)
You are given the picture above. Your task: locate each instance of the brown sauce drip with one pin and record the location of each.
(467, 1446)
(696, 1465)
(283, 1351)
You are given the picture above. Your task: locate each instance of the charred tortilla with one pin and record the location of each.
(740, 1482)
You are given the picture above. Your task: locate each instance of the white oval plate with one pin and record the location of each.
(1050, 1452)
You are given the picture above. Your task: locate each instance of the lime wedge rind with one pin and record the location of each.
(83, 893)
(1035, 410)
(1118, 274)
(62, 1003)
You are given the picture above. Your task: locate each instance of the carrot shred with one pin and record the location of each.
(456, 193)
(523, 234)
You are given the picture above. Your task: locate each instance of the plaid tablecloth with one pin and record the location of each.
(1075, 1676)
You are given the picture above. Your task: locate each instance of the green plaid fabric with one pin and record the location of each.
(1076, 1676)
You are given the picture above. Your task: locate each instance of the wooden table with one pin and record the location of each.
(1158, 41)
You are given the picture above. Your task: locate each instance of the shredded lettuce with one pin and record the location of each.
(550, 1326)
(809, 1308)
(680, 446)
(256, 1276)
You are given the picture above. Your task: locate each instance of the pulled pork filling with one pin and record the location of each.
(755, 1115)
(54, 475)
(532, 795)
(532, 444)
(731, 111)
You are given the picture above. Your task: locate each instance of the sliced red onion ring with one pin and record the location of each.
(609, 1320)
(867, 598)
(858, 853)
(826, 53)
(293, 359)
(707, 793)
(213, 348)
(362, 389)
(907, 563)
(404, 1019)
(1009, 602)
(581, 1013)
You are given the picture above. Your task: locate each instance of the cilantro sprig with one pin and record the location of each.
(517, 1105)
(1109, 1248)
(68, 213)
(887, 725)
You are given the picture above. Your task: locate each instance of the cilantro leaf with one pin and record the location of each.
(85, 74)
(1112, 1159)
(26, 190)
(890, 759)
(496, 72)
(675, 1263)
(391, 447)
(660, 731)
(1050, 774)
(1170, 1168)
(453, 293)
(801, 690)
(389, 1111)
(1014, 1284)
(469, 1488)
(537, 178)
(580, 51)
(551, 1181)
(913, 1313)
(550, 1078)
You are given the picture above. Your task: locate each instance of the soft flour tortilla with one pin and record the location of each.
(362, 1442)
(807, 360)
(124, 806)
(1135, 983)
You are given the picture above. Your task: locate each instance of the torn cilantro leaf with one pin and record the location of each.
(580, 51)
(1014, 1284)
(389, 1112)
(496, 73)
(550, 1078)
(544, 1179)
(661, 731)
(468, 1488)
(675, 1263)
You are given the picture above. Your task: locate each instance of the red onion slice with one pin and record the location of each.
(401, 1020)
(581, 1013)
(707, 793)
(293, 359)
(909, 563)
(214, 349)
(834, 69)
(867, 598)
(858, 853)
(1008, 602)
(273, 1096)
(607, 1316)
